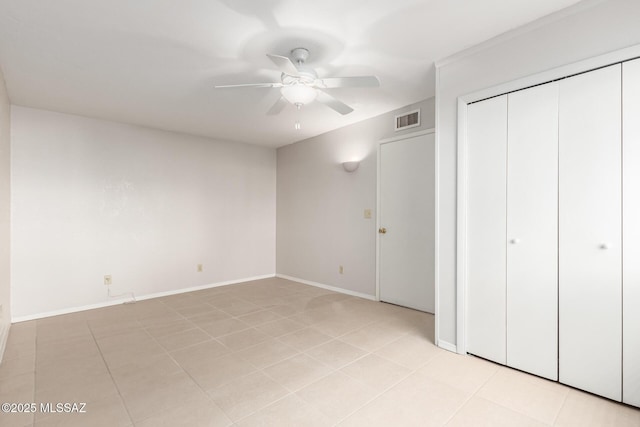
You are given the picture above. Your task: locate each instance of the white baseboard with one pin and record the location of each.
(447, 346)
(69, 310)
(328, 287)
(201, 288)
(138, 298)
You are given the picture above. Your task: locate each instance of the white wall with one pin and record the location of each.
(593, 28)
(92, 197)
(320, 208)
(5, 210)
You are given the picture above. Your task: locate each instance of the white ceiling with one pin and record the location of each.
(155, 62)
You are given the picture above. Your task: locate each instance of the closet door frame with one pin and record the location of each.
(631, 233)
(462, 165)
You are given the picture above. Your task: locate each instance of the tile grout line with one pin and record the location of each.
(144, 328)
(258, 370)
(508, 369)
(115, 384)
(304, 352)
(183, 370)
(35, 365)
(457, 411)
(564, 402)
(228, 348)
(411, 372)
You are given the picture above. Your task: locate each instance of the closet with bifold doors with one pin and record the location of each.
(552, 230)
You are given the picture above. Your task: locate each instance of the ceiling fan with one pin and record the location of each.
(300, 85)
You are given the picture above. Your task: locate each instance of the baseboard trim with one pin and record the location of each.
(328, 287)
(138, 298)
(201, 288)
(447, 346)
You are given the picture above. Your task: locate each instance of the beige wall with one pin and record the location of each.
(593, 28)
(320, 207)
(5, 210)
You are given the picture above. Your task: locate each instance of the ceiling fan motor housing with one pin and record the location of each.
(299, 55)
(305, 76)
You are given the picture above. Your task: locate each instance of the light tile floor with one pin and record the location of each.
(272, 352)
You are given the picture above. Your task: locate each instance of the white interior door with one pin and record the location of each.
(532, 231)
(486, 230)
(631, 233)
(590, 224)
(407, 213)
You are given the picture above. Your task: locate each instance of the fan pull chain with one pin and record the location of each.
(297, 124)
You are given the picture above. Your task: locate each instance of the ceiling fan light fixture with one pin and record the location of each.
(299, 94)
(299, 84)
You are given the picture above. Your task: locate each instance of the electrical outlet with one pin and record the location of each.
(367, 213)
(199, 268)
(341, 270)
(107, 279)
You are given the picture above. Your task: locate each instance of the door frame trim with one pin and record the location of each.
(378, 205)
(561, 72)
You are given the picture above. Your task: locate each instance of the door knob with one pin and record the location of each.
(514, 241)
(382, 230)
(604, 246)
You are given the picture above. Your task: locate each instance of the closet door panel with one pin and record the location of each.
(590, 216)
(631, 233)
(486, 219)
(532, 231)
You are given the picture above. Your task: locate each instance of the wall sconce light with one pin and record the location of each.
(350, 166)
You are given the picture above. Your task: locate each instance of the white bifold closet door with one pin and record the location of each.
(486, 220)
(590, 232)
(631, 233)
(512, 223)
(532, 231)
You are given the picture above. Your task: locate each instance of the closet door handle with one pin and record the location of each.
(604, 246)
(514, 241)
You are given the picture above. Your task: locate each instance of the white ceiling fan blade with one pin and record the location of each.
(284, 64)
(277, 107)
(359, 81)
(333, 103)
(249, 85)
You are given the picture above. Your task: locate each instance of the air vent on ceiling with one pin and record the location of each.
(408, 120)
